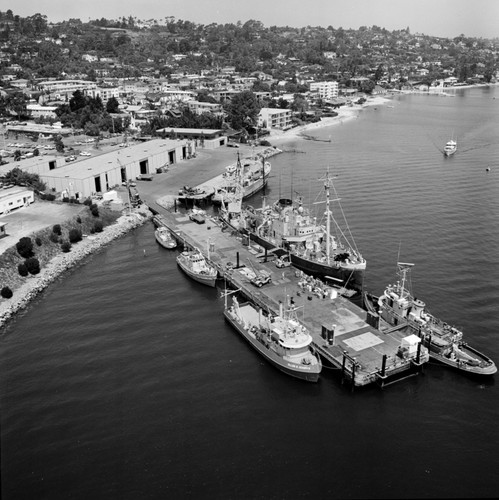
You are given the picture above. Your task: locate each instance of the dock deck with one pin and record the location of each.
(340, 329)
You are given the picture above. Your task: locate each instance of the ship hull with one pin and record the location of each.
(165, 242)
(308, 373)
(351, 278)
(476, 363)
(483, 366)
(204, 279)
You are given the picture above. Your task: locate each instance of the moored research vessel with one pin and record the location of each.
(242, 180)
(324, 249)
(281, 339)
(399, 309)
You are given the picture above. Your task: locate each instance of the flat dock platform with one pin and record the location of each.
(340, 329)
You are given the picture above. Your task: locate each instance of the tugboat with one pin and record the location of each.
(280, 339)
(398, 309)
(287, 227)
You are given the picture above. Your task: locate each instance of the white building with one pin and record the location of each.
(65, 86)
(37, 111)
(326, 90)
(105, 93)
(205, 107)
(271, 118)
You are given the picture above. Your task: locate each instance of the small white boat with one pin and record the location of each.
(197, 267)
(165, 238)
(450, 148)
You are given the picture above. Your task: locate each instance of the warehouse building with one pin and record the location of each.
(98, 174)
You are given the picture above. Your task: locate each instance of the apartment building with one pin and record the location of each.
(326, 90)
(270, 118)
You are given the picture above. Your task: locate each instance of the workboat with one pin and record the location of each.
(242, 180)
(317, 247)
(281, 339)
(195, 194)
(165, 238)
(398, 309)
(193, 263)
(450, 148)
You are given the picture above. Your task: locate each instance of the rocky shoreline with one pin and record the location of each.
(64, 261)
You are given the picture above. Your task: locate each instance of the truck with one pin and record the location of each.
(261, 278)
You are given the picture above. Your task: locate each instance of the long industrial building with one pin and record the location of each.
(100, 173)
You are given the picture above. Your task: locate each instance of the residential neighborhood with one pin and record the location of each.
(139, 76)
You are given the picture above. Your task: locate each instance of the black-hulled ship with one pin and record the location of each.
(319, 249)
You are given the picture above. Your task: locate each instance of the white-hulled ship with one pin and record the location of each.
(282, 340)
(288, 227)
(193, 263)
(244, 179)
(398, 309)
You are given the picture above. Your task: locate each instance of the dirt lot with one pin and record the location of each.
(24, 221)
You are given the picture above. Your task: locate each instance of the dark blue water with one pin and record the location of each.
(123, 381)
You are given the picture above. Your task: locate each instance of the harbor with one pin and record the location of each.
(343, 334)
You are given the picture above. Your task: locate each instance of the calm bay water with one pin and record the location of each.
(123, 381)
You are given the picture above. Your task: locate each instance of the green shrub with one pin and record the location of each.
(57, 229)
(38, 241)
(54, 238)
(78, 219)
(98, 226)
(87, 201)
(22, 269)
(49, 197)
(32, 265)
(25, 247)
(6, 292)
(66, 247)
(75, 236)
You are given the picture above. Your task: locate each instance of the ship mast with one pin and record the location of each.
(404, 268)
(327, 184)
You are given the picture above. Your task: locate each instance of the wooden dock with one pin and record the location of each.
(343, 334)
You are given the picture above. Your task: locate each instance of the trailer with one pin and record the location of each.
(15, 197)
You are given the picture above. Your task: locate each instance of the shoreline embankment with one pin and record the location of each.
(23, 295)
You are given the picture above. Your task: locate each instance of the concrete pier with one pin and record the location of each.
(343, 334)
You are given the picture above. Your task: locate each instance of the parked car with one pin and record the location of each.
(70, 158)
(85, 153)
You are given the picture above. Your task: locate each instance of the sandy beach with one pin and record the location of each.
(345, 113)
